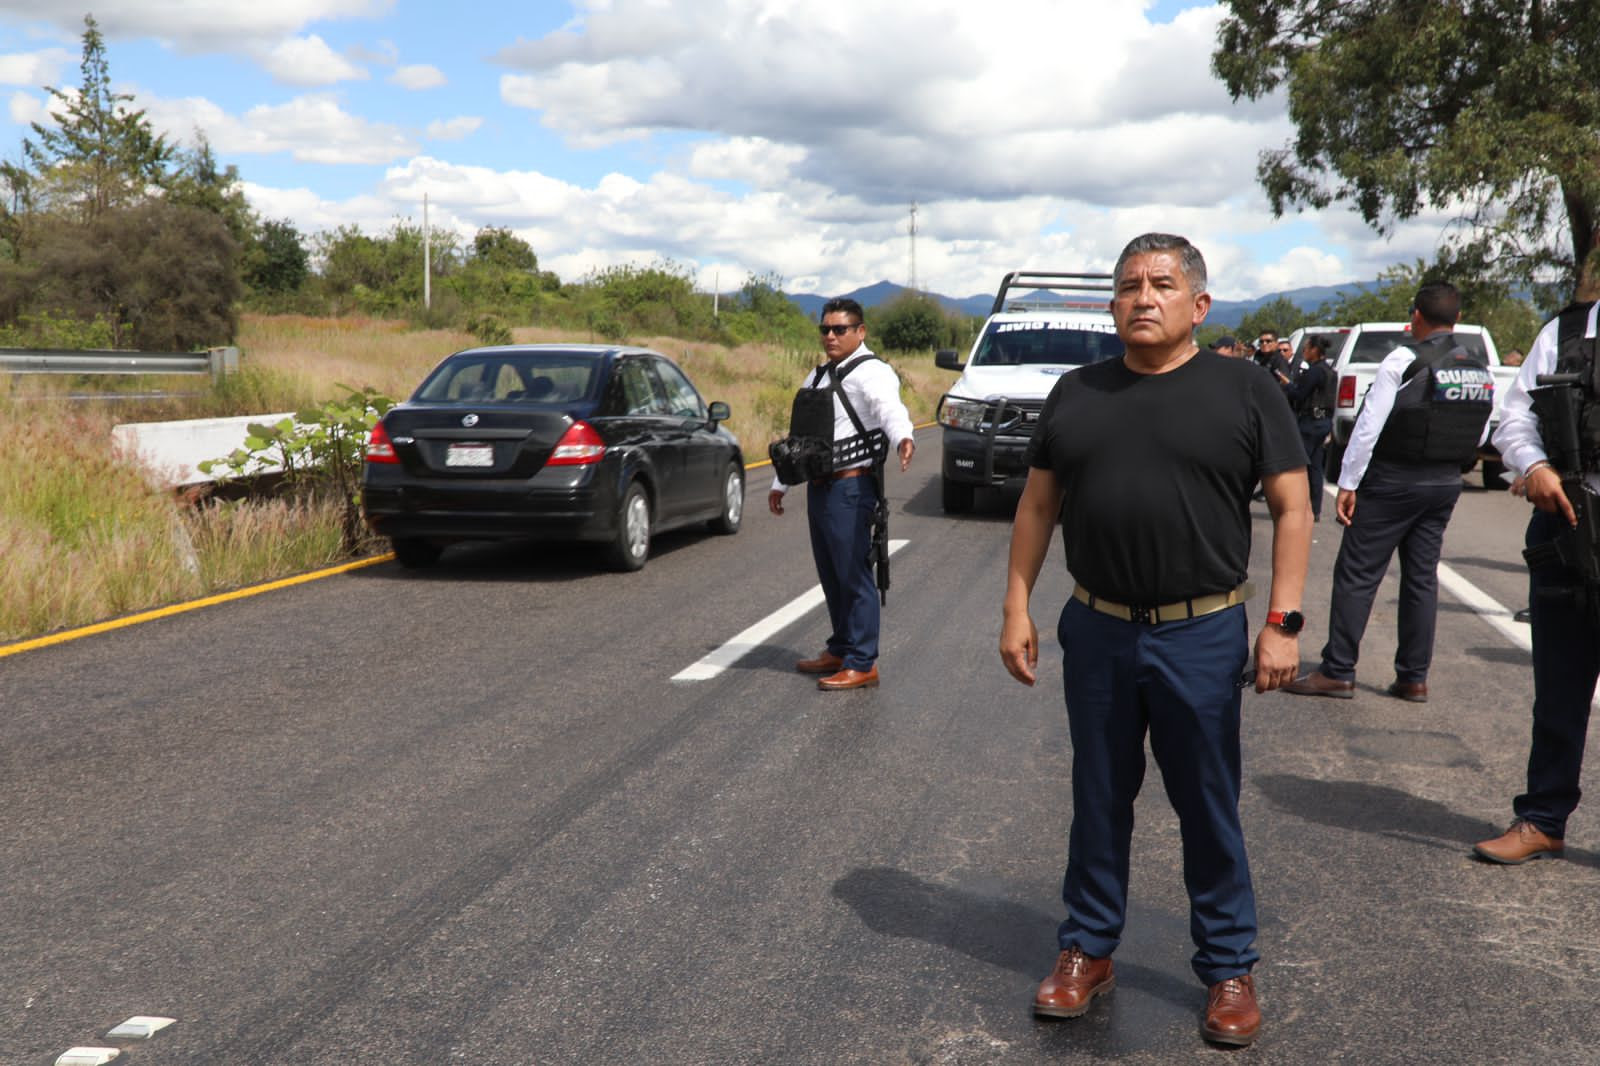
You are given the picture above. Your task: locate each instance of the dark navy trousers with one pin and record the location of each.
(840, 517)
(1178, 682)
(1566, 665)
(1314, 437)
(1390, 517)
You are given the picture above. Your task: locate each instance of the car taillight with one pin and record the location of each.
(379, 448)
(1347, 391)
(578, 446)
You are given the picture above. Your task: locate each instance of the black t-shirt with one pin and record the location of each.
(1157, 472)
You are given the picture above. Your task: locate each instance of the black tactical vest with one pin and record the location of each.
(1446, 397)
(1576, 354)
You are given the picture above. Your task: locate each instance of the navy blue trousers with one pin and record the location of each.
(1566, 665)
(1314, 437)
(840, 517)
(1409, 519)
(1178, 682)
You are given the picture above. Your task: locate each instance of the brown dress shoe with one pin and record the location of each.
(850, 679)
(826, 663)
(1318, 683)
(1232, 1016)
(1411, 691)
(1521, 841)
(1076, 980)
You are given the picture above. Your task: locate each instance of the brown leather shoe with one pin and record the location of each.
(1075, 981)
(826, 663)
(1411, 691)
(1521, 841)
(1318, 683)
(850, 679)
(1232, 1016)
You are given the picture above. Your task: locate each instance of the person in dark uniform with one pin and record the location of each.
(1311, 395)
(1564, 614)
(1424, 416)
(1147, 463)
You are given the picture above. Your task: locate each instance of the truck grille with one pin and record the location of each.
(1017, 417)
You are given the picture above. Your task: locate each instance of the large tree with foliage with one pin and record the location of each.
(1491, 107)
(102, 153)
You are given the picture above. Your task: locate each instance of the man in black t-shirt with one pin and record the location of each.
(1148, 463)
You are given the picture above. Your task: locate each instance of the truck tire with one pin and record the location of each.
(956, 496)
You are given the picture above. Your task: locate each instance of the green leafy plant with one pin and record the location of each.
(316, 453)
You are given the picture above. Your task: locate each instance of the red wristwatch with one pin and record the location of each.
(1290, 622)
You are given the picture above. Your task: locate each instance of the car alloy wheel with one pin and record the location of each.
(631, 543)
(732, 501)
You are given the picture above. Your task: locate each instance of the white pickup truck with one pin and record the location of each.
(1355, 352)
(991, 412)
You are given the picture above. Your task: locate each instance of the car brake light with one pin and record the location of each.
(1347, 391)
(379, 448)
(578, 446)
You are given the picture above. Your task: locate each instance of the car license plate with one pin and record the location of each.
(469, 455)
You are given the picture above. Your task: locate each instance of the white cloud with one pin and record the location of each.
(308, 61)
(35, 69)
(454, 129)
(311, 129)
(24, 108)
(198, 25)
(418, 76)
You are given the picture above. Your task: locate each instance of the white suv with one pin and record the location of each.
(989, 415)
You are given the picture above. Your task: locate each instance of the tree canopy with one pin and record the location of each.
(1490, 108)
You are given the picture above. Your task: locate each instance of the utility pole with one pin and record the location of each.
(427, 256)
(913, 246)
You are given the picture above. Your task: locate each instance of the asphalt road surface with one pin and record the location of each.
(466, 816)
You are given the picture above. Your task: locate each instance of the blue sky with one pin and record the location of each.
(733, 136)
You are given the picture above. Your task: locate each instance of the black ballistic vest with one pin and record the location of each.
(1576, 354)
(809, 451)
(1446, 397)
(1318, 403)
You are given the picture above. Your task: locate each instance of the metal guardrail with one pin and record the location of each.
(217, 362)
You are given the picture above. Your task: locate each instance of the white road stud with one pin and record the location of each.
(86, 1056)
(139, 1027)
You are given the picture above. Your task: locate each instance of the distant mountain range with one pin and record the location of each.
(1223, 312)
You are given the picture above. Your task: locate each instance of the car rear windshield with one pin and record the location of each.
(544, 378)
(1027, 343)
(1375, 345)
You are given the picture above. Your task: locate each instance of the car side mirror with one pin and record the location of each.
(948, 359)
(720, 412)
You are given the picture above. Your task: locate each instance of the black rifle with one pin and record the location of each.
(1558, 403)
(880, 535)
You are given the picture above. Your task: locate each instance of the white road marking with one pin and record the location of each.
(752, 638)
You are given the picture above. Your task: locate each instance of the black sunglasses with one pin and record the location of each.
(837, 331)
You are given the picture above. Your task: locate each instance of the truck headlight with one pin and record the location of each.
(963, 414)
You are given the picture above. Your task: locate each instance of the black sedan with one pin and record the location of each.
(573, 442)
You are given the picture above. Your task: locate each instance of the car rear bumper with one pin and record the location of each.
(570, 507)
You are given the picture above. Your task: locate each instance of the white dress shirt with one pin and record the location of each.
(1374, 414)
(1517, 436)
(874, 391)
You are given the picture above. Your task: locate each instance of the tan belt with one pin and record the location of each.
(1166, 612)
(854, 471)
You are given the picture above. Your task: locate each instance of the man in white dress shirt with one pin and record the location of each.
(840, 506)
(1566, 625)
(1426, 413)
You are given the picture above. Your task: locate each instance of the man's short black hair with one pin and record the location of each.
(1320, 343)
(1438, 302)
(845, 305)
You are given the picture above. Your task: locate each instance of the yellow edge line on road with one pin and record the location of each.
(238, 594)
(180, 608)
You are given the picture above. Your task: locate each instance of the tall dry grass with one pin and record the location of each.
(84, 536)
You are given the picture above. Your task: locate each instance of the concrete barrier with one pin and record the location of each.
(172, 451)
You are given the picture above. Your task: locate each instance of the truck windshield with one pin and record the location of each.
(1375, 346)
(1042, 342)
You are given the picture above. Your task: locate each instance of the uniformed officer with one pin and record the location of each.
(1566, 624)
(1425, 415)
(1312, 394)
(840, 505)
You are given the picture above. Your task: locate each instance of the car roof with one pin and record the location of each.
(581, 349)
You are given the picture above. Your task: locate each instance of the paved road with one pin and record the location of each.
(465, 816)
